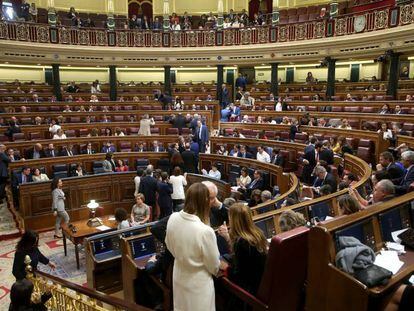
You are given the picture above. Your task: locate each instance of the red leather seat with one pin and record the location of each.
(283, 282)
(125, 146)
(83, 132)
(301, 138)
(119, 118)
(26, 121)
(172, 131)
(284, 136)
(19, 137)
(133, 131)
(75, 119)
(365, 154)
(351, 109)
(337, 109)
(155, 131)
(70, 133)
(186, 131)
(368, 109)
(228, 132)
(34, 135)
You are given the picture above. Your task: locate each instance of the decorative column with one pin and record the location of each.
(110, 22)
(330, 87)
(167, 80)
(274, 80)
(220, 18)
(275, 12)
(56, 82)
(393, 74)
(166, 20)
(220, 81)
(333, 9)
(113, 83)
(51, 13)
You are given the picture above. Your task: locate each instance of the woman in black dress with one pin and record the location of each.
(249, 248)
(28, 245)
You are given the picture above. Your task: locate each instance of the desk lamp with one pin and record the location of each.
(93, 220)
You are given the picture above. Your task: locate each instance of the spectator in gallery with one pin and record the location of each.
(310, 78)
(122, 219)
(33, 12)
(58, 205)
(156, 25)
(72, 88)
(175, 26)
(96, 87)
(140, 213)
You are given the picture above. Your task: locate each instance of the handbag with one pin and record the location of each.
(373, 275)
(407, 238)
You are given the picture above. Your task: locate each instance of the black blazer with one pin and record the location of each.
(247, 265)
(327, 155)
(395, 172)
(219, 215)
(189, 159)
(30, 152)
(278, 160)
(331, 181)
(164, 198)
(48, 153)
(148, 187)
(4, 164)
(405, 183)
(19, 267)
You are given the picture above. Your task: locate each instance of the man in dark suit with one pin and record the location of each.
(244, 153)
(326, 154)
(224, 95)
(310, 159)
(139, 147)
(225, 114)
(202, 136)
(193, 123)
(88, 149)
(407, 159)
(241, 82)
(165, 100)
(12, 155)
(50, 151)
(387, 164)
(179, 122)
(108, 148)
(13, 128)
(189, 159)
(256, 183)
(218, 212)
(235, 112)
(148, 187)
(23, 177)
(68, 151)
(277, 158)
(324, 178)
(196, 149)
(156, 147)
(36, 152)
(4, 173)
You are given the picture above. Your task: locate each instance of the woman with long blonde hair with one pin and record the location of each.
(248, 245)
(193, 244)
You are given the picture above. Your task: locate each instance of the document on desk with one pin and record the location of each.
(389, 260)
(395, 235)
(103, 228)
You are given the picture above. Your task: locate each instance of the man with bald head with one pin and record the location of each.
(36, 152)
(218, 211)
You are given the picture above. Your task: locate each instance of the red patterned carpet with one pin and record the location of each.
(50, 247)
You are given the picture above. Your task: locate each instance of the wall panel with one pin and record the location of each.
(93, 6)
(83, 74)
(140, 75)
(24, 74)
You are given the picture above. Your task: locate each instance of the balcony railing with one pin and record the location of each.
(376, 19)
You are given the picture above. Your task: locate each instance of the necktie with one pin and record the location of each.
(316, 156)
(53, 153)
(23, 179)
(70, 153)
(199, 135)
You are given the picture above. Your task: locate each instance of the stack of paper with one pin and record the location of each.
(395, 235)
(400, 249)
(103, 228)
(389, 260)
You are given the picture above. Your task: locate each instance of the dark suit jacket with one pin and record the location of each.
(327, 155)
(4, 164)
(259, 184)
(84, 151)
(218, 216)
(280, 160)
(160, 149)
(189, 159)
(48, 153)
(179, 122)
(64, 152)
(17, 180)
(405, 183)
(148, 187)
(331, 181)
(395, 172)
(247, 155)
(164, 198)
(30, 152)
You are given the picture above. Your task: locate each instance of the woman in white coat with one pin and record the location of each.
(145, 125)
(193, 244)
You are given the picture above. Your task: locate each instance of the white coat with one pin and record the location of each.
(194, 247)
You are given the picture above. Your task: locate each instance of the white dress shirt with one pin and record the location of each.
(263, 157)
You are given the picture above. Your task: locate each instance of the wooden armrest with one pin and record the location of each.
(243, 294)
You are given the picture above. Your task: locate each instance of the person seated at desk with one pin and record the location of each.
(28, 245)
(244, 179)
(249, 248)
(213, 173)
(79, 171)
(59, 134)
(37, 176)
(347, 205)
(108, 164)
(140, 213)
(121, 166)
(108, 148)
(290, 220)
(255, 198)
(384, 190)
(122, 219)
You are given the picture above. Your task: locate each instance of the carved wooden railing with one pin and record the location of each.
(68, 296)
(376, 19)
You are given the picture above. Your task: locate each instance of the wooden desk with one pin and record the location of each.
(83, 231)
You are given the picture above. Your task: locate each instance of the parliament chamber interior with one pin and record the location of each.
(202, 155)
